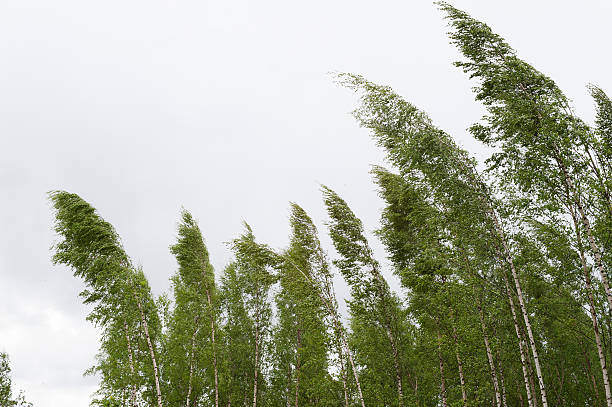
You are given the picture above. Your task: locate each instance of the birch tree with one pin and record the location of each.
(372, 305)
(118, 292)
(192, 332)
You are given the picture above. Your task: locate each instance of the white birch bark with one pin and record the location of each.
(131, 361)
(191, 358)
(151, 351)
(214, 348)
(442, 378)
(490, 358)
(256, 359)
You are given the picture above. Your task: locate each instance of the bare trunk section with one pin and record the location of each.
(212, 337)
(343, 372)
(531, 401)
(490, 357)
(398, 376)
(348, 352)
(503, 385)
(501, 373)
(297, 367)
(459, 363)
(151, 351)
(131, 360)
(191, 358)
(256, 360)
(441, 362)
(534, 389)
(590, 373)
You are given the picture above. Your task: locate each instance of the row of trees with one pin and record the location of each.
(506, 297)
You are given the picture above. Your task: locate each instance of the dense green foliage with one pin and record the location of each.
(504, 297)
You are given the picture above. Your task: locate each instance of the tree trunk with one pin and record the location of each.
(590, 373)
(520, 393)
(297, 367)
(441, 362)
(212, 335)
(459, 364)
(501, 373)
(151, 351)
(531, 401)
(343, 373)
(398, 376)
(193, 337)
(256, 360)
(490, 357)
(131, 360)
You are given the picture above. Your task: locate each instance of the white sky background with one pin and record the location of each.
(226, 108)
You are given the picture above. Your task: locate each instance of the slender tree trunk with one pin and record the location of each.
(131, 360)
(297, 367)
(530, 389)
(343, 373)
(490, 357)
(561, 377)
(288, 389)
(587, 279)
(501, 373)
(256, 359)
(398, 376)
(534, 388)
(459, 364)
(590, 373)
(503, 385)
(520, 393)
(214, 348)
(151, 351)
(348, 351)
(441, 362)
(191, 358)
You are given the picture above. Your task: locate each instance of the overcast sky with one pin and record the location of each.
(225, 108)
